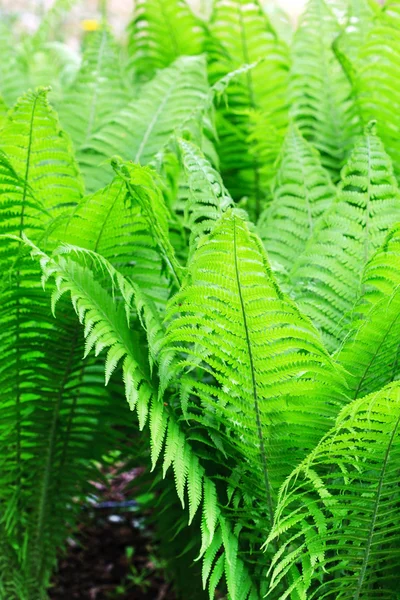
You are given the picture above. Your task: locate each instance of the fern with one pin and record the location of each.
(144, 126)
(262, 372)
(106, 327)
(326, 279)
(230, 288)
(303, 193)
(203, 197)
(376, 77)
(31, 138)
(320, 93)
(97, 93)
(339, 510)
(370, 352)
(241, 34)
(160, 32)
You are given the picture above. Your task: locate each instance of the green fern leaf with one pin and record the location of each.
(109, 323)
(142, 189)
(346, 533)
(107, 223)
(32, 139)
(370, 353)
(144, 126)
(319, 92)
(377, 76)
(241, 34)
(326, 279)
(98, 92)
(360, 20)
(160, 32)
(204, 197)
(230, 320)
(302, 194)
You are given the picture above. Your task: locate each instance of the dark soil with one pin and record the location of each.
(113, 555)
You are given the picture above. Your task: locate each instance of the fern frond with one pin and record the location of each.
(371, 351)
(32, 140)
(109, 224)
(360, 20)
(47, 430)
(98, 92)
(241, 34)
(320, 94)
(142, 189)
(376, 80)
(204, 198)
(326, 279)
(231, 324)
(107, 328)
(338, 511)
(302, 193)
(142, 129)
(160, 32)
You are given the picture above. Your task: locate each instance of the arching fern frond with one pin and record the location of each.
(98, 92)
(326, 279)
(32, 139)
(302, 193)
(319, 91)
(143, 190)
(371, 351)
(160, 32)
(338, 512)
(142, 129)
(109, 223)
(106, 328)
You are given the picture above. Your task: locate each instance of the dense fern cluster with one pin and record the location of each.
(212, 208)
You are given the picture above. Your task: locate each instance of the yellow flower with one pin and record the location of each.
(90, 25)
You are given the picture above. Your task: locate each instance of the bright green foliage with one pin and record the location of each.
(259, 356)
(360, 20)
(44, 438)
(97, 93)
(3, 112)
(230, 288)
(107, 327)
(106, 223)
(161, 31)
(302, 193)
(242, 34)
(371, 350)
(376, 79)
(327, 277)
(142, 128)
(319, 91)
(31, 137)
(204, 197)
(339, 511)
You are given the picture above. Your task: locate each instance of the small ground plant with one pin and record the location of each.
(212, 208)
